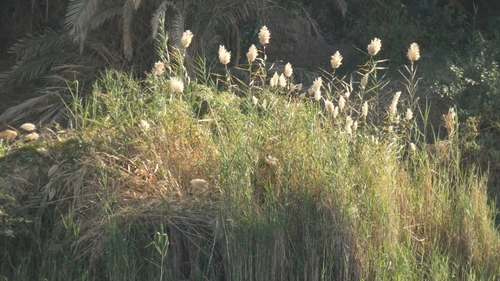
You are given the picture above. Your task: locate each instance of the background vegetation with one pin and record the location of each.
(283, 190)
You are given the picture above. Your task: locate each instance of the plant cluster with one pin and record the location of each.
(213, 177)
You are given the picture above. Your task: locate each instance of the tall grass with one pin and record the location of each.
(289, 191)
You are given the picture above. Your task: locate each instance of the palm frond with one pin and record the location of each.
(32, 68)
(127, 22)
(37, 44)
(78, 15)
(103, 13)
(158, 14)
(45, 108)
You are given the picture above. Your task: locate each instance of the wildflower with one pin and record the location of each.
(252, 53)
(144, 125)
(374, 47)
(255, 100)
(317, 95)
(52, 171)
(288, 70)
(409, 115)
(32, 137)
(28, 127)
(413, 52)
(364, 109)
(176, 85)
(329, 106)
(341, 103)
(159, 68)
(187, 36)
(336, 60)
(282, 81)
(224, 55)
(364, 80)
(273, 161)
(264, 35)
(274, 80)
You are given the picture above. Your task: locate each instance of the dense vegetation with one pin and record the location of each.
(198, 167)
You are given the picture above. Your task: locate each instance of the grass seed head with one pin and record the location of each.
(374, 47)
(28, 127)
(159, 68)
(31, 137)
(255, 100)
(336, 60)
(264, 35)
(8, 135)
(186, 39)
(409, 115)
(413, 52)
(341, 103)
(274, 80)
(224, 55)
(288, 70)
(252, 53)
(364, 109)
(282, 81)
(329, 106)
(144, 125)
(176, 85)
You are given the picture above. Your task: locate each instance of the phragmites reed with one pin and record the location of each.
(288, 70)
(252, 53)
(413, 52)
(264, 35)
(159, 68)
(335, 112)
(374, 47)
(224, 55)
(336, 60)
(355, 126)
(449, 122)
(186, 39)
(176, 85)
